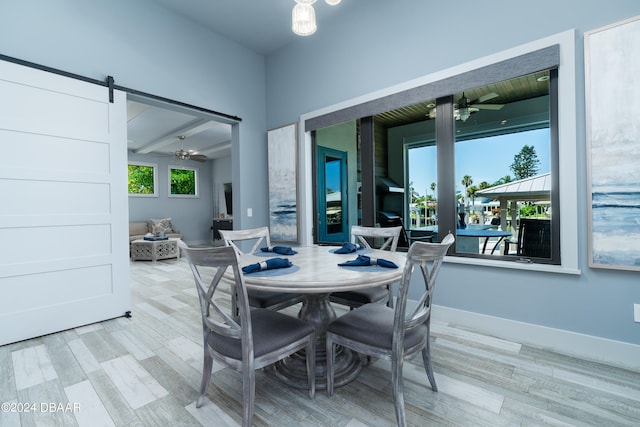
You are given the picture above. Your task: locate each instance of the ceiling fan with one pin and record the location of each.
(464, 107)
(183, 154)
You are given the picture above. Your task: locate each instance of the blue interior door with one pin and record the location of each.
(333, 210)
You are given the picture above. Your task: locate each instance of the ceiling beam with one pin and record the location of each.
(192, 128)
(223, 146)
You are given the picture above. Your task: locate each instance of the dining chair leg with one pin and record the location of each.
(311, 366)
(206, 376)
(330, 364)
(426, 360)
(398, 391)
(248, 394)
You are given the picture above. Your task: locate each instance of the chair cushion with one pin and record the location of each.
(264, 299)
(364, 296)
(372, 324)
(271, 331)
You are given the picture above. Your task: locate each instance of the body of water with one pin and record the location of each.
(616, 226)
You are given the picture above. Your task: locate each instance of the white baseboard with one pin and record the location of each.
(587, 347)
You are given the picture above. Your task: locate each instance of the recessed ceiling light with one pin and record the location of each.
(431, 105)
(543, 78)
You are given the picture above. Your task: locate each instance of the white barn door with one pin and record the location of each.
(63, 203)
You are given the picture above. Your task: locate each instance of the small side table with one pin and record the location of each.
(221, 224)
(153, 250)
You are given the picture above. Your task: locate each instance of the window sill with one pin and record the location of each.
(513, 265)
(142, 195)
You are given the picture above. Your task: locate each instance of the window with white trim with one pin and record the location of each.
(183, 182)
(142, 179)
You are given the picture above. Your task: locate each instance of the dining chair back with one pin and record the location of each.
(252, 340)
(362, 235)
(380, 294)
(257, 238)
(394, 334)
(534, 238)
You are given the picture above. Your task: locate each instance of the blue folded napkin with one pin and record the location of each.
(348, 248)
(363, 261)
(269, 264)
(281, 250)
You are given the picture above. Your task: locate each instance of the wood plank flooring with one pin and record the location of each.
(145, 371)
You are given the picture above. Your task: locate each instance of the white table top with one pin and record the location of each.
(315, 270)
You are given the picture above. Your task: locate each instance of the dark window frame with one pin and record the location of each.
(445, 145)
(547, 58)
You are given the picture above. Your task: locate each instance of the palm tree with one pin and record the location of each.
(471, 193)
(467, 181)
(433, 189)
(503, 180)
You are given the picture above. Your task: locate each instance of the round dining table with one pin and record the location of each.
(315, 274)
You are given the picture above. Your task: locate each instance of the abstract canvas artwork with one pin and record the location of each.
(612, 67)
(283, 183)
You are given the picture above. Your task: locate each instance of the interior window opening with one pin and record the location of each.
(478, 158)
(503, 169)
(502, 176)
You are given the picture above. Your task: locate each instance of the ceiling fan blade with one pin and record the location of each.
(487, 97)
(198, 157)
(488, 106)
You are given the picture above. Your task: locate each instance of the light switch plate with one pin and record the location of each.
(636, 313)
(249, 212)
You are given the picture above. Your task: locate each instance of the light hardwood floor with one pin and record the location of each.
(145, 371)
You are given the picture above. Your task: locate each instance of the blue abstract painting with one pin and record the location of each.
(283, 183)
(612, 58)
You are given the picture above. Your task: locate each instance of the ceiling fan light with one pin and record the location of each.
(182, 155)
(303, 19)
(332, 2)
(464, 114)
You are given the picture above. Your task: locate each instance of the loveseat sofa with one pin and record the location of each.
(139, 229)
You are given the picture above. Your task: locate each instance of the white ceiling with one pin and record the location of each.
(263, 26)
(156, 129)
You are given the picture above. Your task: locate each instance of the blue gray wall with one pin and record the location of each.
(376, 44)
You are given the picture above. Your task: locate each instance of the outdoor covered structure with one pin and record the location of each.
(536, 189)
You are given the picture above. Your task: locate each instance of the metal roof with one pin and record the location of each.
(536, 187)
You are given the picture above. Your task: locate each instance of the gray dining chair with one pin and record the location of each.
(253, 340)
(379, 294)
(393, 334)
(257, 238)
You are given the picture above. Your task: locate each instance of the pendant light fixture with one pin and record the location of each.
(303, 16)
(303, 19)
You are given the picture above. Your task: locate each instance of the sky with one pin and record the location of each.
(485, 159)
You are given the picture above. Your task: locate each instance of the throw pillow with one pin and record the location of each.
(163, 224)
